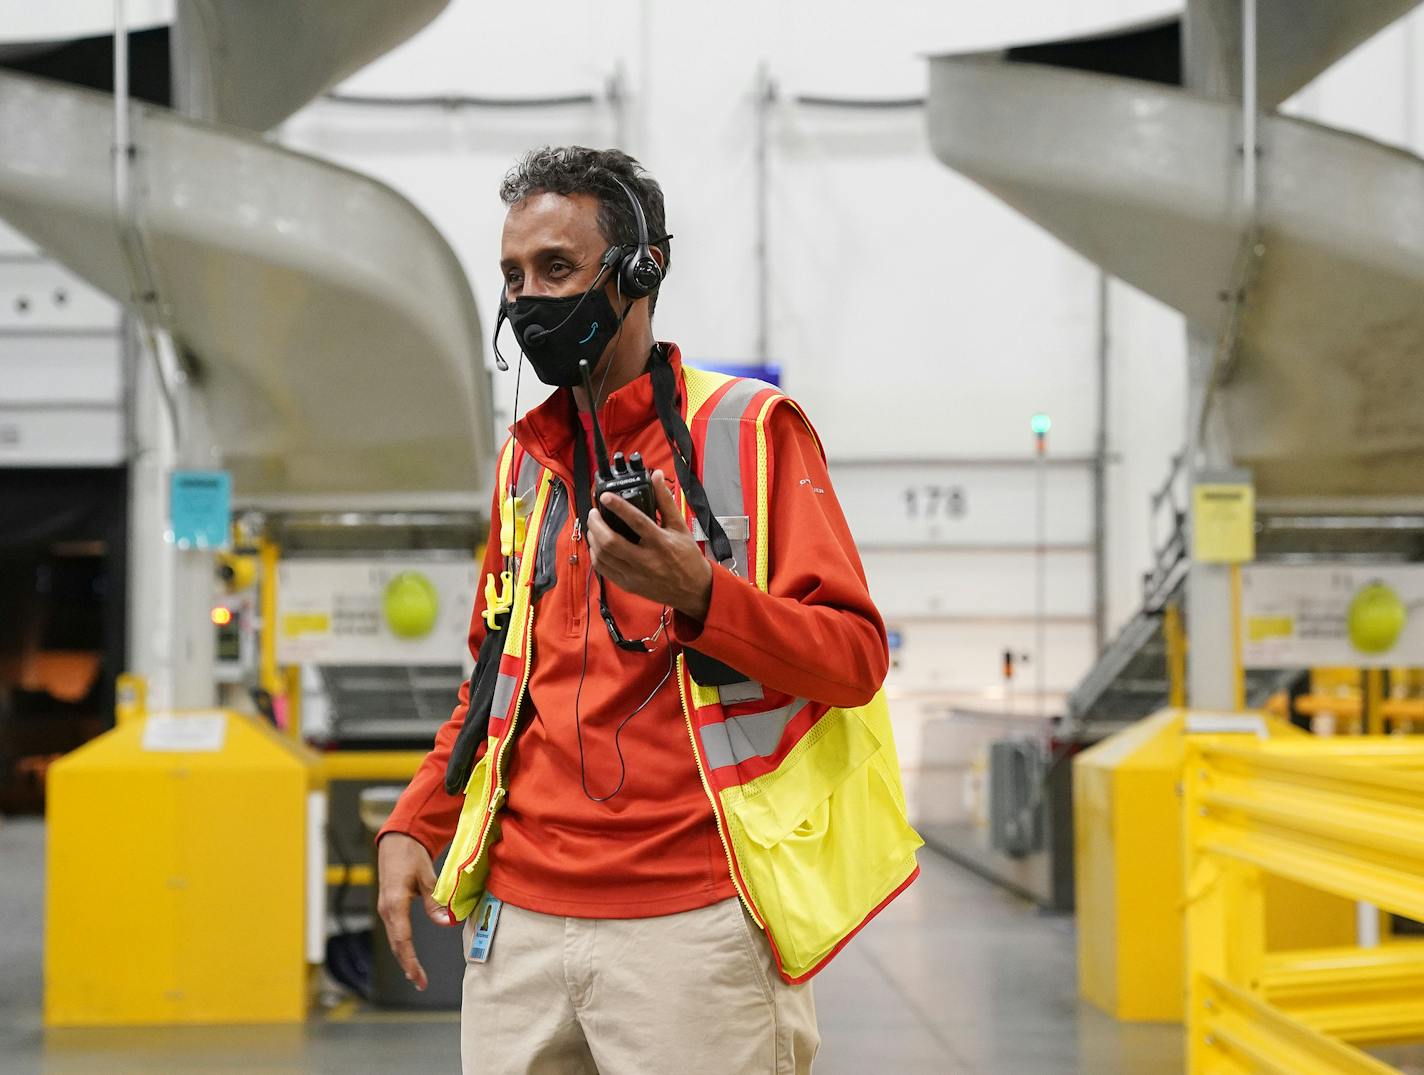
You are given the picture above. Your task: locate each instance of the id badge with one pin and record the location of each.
(486, 919)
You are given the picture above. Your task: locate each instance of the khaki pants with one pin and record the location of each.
(680, 994)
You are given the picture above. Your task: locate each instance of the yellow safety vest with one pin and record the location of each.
(807, 797)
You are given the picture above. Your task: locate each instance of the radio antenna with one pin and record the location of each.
(600, 449)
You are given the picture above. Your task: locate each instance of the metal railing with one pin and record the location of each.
(1169, 550)
(1345, 816)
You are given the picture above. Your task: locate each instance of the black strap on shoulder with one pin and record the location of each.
(706, 670)
(684, 462)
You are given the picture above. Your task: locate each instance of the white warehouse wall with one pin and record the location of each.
(25, 20)
(919, 321)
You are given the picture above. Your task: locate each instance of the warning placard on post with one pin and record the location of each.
(200, 509)
(1223, 523)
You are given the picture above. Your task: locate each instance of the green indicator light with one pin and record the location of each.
(1040, 424)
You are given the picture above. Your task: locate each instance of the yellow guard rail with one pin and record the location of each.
(1342, 815)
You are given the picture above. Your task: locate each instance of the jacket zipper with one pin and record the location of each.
(576, 578)
(711, 798)
(549, 542)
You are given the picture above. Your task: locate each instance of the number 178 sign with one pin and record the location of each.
(935, 501)
(988, 505)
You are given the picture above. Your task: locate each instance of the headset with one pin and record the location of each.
(638, 271)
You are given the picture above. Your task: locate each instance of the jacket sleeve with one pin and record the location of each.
(815, 632)
(425, 810)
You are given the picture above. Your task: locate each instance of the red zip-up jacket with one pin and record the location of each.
(650, 847)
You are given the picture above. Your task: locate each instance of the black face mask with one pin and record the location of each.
(555, 334)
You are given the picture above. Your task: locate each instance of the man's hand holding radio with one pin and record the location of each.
(665, 565)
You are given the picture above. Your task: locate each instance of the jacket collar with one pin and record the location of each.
(546, 431)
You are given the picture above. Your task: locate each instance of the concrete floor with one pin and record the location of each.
(955, 977)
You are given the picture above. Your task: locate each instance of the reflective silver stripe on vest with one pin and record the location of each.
(736, 527)
(722, 456)
(721, 473)
(745, 691)
(754, 736)
(504, 685)
(526, 481)
(526, 486)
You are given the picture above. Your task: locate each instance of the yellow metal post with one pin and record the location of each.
(1238, 668)
(1374, 701)
(1176, 642)
(1225, 924)
(1204, 919)
(269, 674)
(1225, 932)
(280, 683)
(292, 684)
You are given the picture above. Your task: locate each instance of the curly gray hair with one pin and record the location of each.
(580, 170)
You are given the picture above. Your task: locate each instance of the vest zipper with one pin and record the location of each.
(711, 796)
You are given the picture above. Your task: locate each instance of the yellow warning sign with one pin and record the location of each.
(1263, 628)
(1223, 523)
(296, 624)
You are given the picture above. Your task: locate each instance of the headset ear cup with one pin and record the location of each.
(639, 274)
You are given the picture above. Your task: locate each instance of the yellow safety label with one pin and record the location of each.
(295, 624)
(1261, 628)
(1223, 523)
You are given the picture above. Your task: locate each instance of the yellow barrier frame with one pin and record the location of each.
(1344, 815)
(370, 764)
(1385, 714)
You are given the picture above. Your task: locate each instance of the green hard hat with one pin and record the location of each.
(1376, 618)
(411, 605)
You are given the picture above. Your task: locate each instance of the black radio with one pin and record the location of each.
(624, 478)
(628, 480)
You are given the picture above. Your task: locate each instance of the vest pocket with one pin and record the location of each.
(824, 840)
(455, 888)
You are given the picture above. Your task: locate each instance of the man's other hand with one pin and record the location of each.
(665, 565)
(404, 872)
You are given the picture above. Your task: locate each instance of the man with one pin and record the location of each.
(674, 812)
